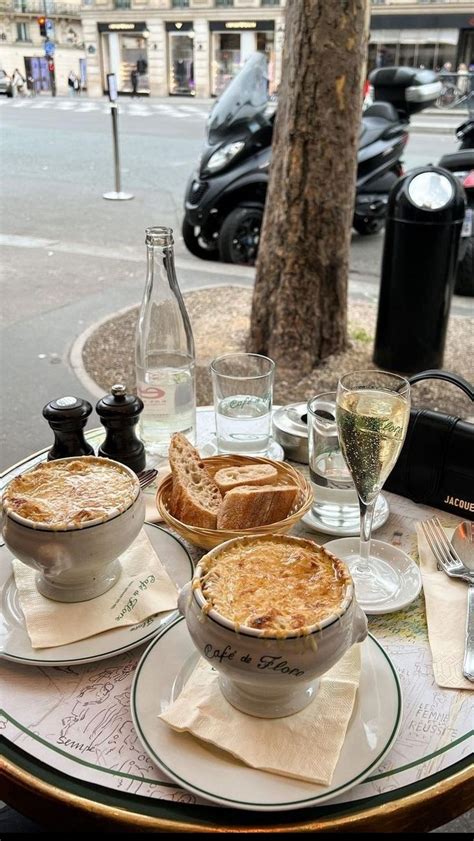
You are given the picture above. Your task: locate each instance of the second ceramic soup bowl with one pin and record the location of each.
(265, 674)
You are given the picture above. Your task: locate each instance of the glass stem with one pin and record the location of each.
(366, 517)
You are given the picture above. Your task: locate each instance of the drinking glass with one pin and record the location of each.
(242, 385)
(336, 504)
(372, 413)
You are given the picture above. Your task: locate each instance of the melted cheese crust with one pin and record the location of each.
(276, 585)
(67, 494)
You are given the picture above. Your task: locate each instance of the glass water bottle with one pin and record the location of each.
(164, 357)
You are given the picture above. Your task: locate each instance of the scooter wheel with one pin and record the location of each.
(370, 226)
(240, 235)
(464, 284)
(198, 245)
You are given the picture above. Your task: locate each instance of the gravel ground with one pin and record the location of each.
(220, 320)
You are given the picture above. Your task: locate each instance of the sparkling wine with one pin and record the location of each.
(372, 426)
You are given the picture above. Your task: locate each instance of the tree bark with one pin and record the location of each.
(299, 310)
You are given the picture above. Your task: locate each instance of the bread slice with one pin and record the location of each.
(252, 474)
(195, 498)
(247, 507)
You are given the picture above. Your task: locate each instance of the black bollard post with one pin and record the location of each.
(424, 220)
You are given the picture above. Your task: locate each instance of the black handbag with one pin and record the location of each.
(436, 464)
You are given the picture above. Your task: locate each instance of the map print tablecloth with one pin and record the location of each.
(77, 718)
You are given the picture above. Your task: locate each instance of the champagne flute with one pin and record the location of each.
(372, 413)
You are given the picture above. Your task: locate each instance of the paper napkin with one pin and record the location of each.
(304, 746)
(143, 589)
(446, 612)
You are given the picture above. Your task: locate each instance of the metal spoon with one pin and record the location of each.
(463, 542)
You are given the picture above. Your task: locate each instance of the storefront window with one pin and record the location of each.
(446, 55)
(266, 44)
(227, 58)
(407, 55)
(133, 56)
(230, 50)
(126, 55)
(427, 56)
(181, 69)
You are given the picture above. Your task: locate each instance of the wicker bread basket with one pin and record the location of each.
(208, 538)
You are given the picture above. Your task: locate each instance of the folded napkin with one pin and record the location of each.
(143, 589)
(304, 746)
(446, 612)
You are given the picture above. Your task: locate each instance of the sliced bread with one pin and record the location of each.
(195, 498)
(247, 507)
(252, 474)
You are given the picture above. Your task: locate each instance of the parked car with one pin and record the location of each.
(5, 83)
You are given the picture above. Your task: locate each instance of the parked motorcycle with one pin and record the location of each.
(461, 164)
(225, 198)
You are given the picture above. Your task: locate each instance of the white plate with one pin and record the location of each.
(348, 547)
(327, 525)
(215, 775)
(14, 640)
(275, 450)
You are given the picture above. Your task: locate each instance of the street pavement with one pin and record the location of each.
(70, 258)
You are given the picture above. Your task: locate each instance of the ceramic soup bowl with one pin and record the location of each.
(268, 673)
(76, 558)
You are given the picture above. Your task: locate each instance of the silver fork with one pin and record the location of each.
(146, 477)
(448, 559)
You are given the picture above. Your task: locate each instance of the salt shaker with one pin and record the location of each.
(67, 417)
(119, 413)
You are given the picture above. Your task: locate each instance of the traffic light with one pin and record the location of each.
(42, 26)
(51, 66)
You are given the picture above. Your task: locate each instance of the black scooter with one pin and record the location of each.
(461, 164)
(225, 198)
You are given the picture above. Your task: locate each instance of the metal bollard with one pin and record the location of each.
(117, 194)
(424, 221)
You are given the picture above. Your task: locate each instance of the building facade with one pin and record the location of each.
(178, 47)
(194, 47)
(22, 46)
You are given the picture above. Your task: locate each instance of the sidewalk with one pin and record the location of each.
(220, 319)
(438, 121)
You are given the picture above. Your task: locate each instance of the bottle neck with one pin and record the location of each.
(160, 267)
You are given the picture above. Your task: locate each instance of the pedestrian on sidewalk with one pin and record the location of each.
(134, 80)
(463, 78)
(73, 83)
(18, 83)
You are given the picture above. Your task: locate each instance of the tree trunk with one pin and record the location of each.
(299, 310)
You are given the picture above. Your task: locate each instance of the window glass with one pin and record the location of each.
(407, 54)
(181, 69)
(22, 32)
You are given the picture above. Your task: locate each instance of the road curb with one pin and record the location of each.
(74, 355)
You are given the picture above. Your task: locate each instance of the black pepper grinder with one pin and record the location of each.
(67, 417)
(119, 413)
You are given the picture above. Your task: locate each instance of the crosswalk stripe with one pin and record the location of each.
(132, 109)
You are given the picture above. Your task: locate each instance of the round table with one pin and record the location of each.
(416, 797)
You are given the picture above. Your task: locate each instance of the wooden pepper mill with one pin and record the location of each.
(67, 417)
(119, 413)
